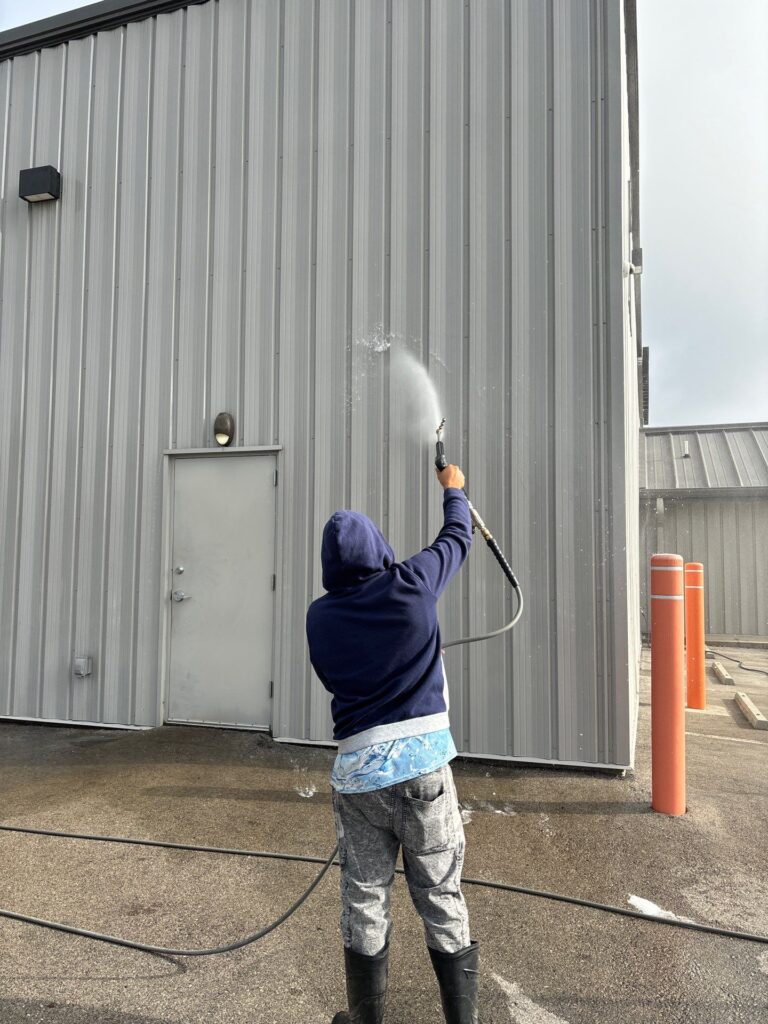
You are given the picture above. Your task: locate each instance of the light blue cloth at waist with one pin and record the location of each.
(384, 764)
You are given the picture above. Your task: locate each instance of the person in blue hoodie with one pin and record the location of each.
(374, 642)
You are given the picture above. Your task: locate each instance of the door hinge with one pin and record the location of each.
(274, 582)
(275, 478)
(271, 688)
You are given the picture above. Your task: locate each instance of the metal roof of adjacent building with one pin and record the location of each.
(722, 457)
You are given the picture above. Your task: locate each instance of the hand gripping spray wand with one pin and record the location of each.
(477, 523)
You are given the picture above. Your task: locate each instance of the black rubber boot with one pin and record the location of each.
(457, 975)
(366, 987)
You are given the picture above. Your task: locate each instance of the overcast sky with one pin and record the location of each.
(704, 207)
(704, 202)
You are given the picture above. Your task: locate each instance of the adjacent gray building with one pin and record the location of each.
(704, 495)
(262, 203)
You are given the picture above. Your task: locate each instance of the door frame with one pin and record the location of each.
(169, 479)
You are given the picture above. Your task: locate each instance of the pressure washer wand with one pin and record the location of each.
(440, 460)
(477, 523)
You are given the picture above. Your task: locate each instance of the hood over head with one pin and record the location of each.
(353, 549)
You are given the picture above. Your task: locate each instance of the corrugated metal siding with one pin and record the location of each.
(730, 537)
(728, 533)
(255, 195)
(731, 456)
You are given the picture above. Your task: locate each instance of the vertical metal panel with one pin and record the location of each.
(370, 257)
(408, 267)
(331, 397)
(448, 298)
(65, 440)
(730, 537)
(19, 114)
(647, 547)
(487, 367)
(231, 147)
(102, 296)
(129, 372)
(297, 360)
(728, 528)
(571, 411)
(711, 528)
(260, 198)
(198, 108)
(161, 340)
(760, 520)
(41, 350)
(262, 213)
(746, 582)
(528, 412)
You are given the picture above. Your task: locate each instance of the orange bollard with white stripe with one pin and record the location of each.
(667, 685)
(694, 636)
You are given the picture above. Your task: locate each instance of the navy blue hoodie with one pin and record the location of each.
(374, 639)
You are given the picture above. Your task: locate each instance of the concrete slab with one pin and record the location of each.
(589, 835)
(744, 642)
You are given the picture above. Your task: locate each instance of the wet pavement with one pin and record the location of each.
(584, 834)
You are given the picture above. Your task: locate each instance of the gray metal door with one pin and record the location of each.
(221, 592)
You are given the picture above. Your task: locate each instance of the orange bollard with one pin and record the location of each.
(694, 636)
(667, 685)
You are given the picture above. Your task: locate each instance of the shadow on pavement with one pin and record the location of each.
(24, 1011)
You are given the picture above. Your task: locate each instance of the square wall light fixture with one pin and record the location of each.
(37, 184)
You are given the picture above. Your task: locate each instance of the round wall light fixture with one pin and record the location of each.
(224, 429)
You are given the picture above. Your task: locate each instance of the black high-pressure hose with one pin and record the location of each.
(477, 523)
(728, 657)
(238, 944)
(164, 950)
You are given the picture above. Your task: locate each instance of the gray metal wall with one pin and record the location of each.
(252, 193)
(730, 537)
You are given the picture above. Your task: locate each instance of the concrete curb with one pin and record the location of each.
(722, 673)
(754, 716)
(754, 643)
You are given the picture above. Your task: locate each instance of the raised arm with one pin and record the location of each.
(438, 563)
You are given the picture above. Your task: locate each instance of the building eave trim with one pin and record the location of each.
(84, 21)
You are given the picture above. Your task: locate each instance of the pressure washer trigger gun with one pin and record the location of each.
(440, 460)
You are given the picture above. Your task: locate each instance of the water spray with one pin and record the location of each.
(477, 524)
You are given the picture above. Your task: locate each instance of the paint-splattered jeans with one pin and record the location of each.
(421, 815)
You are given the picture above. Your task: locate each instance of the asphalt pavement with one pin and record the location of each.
(585, 834)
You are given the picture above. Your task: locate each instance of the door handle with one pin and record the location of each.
(179, 595)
